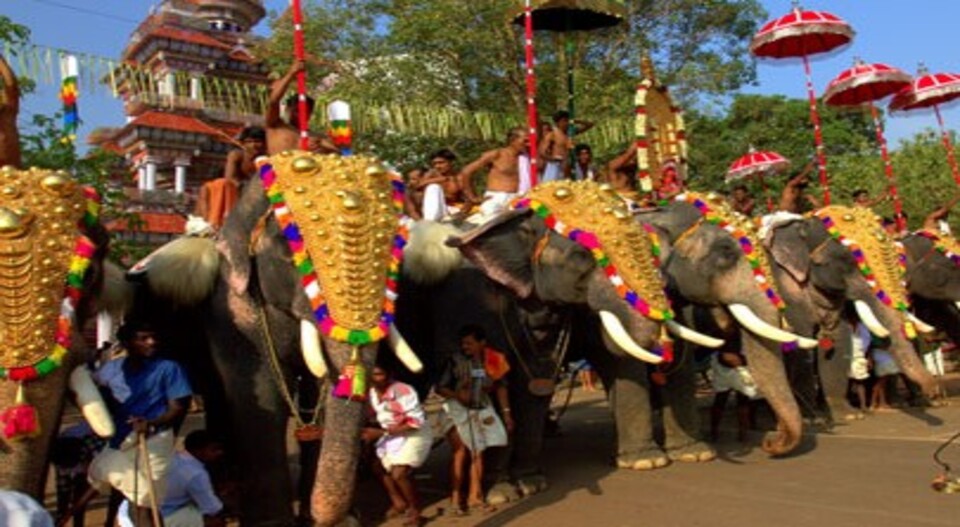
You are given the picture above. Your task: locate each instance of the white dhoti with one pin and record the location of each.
(553, 170)
(410, 449)
(495, 202)
(478, 429)
(125, 469)
(725, 379)
(933, 361)
(435, 206)
(186, 516)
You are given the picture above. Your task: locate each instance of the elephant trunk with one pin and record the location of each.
(765, 362)
(337, 468)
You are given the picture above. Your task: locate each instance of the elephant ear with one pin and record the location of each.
(502, 248)
(787, 244)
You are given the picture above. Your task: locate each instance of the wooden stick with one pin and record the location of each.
(151, 492)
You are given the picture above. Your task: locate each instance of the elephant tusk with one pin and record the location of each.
(311, 349)
(922, 326)
(957, 304)
(870, 319)
(91, 404)
(403, 351)
(748, 319)
(619, 335)
(693, 336)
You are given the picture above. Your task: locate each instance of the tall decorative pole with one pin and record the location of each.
(817, 133)
(299, 53)
(69, 70)
(531, 90)
(644, 179)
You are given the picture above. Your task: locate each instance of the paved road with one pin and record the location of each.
(875, 472)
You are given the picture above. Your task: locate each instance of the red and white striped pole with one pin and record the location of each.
(817, 134)
(299, 53)
(888, 169)
(531, 91)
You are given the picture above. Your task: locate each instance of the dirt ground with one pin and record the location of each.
(874, 472)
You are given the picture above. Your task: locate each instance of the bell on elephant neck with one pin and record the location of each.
(352, 383)
(20, 420)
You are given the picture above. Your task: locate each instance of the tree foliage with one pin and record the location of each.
(468, 55)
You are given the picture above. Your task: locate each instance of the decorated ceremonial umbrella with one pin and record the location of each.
(800, 34)
(562, 16)
(932, 90)
(864, 84)
(758, 164)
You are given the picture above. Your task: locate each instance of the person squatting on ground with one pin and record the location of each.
(471, 423)
(504, 179)
(148, 398)
(402, 441)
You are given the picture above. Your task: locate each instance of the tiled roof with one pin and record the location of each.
(182, 35)
(173, 121)
(153, 222)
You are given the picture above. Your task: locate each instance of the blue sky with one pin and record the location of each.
(895, 32)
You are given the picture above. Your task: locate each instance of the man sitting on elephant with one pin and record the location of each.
(503, 178)
(472, 424)
(148, 398)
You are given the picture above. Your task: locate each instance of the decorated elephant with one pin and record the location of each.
(837, 256)
(566, 263)
(714, 262)
(933, 279)
(300, 282)
(53, 277)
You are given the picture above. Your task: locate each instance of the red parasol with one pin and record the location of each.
(866, 84)
(758, 164)
(930, 90)
(801, 34)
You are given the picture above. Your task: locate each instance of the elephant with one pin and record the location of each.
(271, 315)
(817, 276)
(53, 277)
(706, 268)
(551, 278)
(535, 289)
(933, 279)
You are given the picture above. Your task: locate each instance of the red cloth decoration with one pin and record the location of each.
(20, 421)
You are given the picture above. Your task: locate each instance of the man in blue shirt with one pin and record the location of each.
(148, 396)
(191, 500)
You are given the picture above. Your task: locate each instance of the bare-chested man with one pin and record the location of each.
(442, 187)
(794, 194)
(282, 135)
(9, 108)
(556, 145)
(217, 197)
(503, 178)
(936, 221)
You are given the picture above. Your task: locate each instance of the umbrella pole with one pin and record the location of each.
(571, 128)
(299, 53)
(888, 168)
(948, 144)
(766, 193)
(817, 133)
(531, 91)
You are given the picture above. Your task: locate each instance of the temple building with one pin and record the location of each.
(189, 83)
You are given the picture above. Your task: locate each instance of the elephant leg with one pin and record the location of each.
(258, 421)
(23, 463)
(833, 372)
(800, 369)
(630, 400)
(531, 418)
(683, 437)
